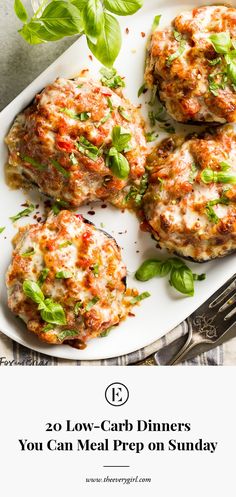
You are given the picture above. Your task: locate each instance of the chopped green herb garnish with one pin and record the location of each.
(142, 89)
(156, 22)
(61, 169)
(110, 78)
(180, 51)
(91, 303)
(63, 274)
(151, 136)
(59, 205)
(77, 308)
(43, 276)
(96, 269)
(106, 332)
(124, 114)
(199, 277)
(23, 213)
(2, 229)
(140, 297)
(214, 62)
(87, 148)
(61, 335)
(34, 163)
(137, 193)
(81, 116)
(193, 173)
(210, 211)
(73, 159)
(65, 244)
(110, 104)
(152, 118)
(29, 252)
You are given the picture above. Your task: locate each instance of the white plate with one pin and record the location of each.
(165, 308)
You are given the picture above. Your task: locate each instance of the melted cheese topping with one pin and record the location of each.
(68, 243)
(183, 85)
(177, 200)
(50, 129)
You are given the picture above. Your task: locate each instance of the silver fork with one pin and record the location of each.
(206, 326)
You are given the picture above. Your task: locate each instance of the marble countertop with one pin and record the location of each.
(20, 62)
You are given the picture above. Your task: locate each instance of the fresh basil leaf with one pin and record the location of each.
(108, 43)
(2, 229)
(48, 327)
(118, 164)
(35, 163)
(156, 22)
(20, 11)
(123, 7)
(151, 268)
(182, 280)
(32, 290)
(23, 213)
(176, 54)
(210, 176)
(61, 169)
(120, 138)
(80, 4)
(225, 166)
(52, 312)
(62, 18)
(91, 303)
(140, 297)
(63, 275)
(28, 253)
(93, 18)
(30, 33)
(221, 42)
(43, 276)
(61, 335)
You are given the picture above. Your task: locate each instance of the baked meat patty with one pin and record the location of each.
(190, 203)
(192, 65)
(67, 280)
(79, 141)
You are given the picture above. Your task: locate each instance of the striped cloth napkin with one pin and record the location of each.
(14, 354)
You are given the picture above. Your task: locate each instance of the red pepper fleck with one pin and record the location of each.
(90, 57)
(127, 30)
(65, 145)
(143, 34)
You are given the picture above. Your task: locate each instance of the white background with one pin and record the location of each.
(202, 396)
